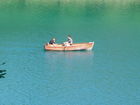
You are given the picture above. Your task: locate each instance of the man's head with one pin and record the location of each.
(53, 38)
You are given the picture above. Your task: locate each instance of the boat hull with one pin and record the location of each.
(73, 47)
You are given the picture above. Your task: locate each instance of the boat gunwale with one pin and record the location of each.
(74, 47)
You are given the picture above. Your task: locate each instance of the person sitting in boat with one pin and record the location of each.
(52, 41)
(70, 41)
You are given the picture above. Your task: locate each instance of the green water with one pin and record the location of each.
(107, 75)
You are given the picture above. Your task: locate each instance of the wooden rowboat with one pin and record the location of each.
(73, 47)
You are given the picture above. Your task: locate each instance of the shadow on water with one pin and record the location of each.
(2, 72)
(21, 4)
(3, 63)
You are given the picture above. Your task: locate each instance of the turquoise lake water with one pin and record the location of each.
(107, 75)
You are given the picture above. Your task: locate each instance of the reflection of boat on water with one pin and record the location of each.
(69, 59)
(69, 55)
(73, 47)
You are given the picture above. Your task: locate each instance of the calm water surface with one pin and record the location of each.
(108, 75)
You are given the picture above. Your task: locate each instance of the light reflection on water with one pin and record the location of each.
(71, 59)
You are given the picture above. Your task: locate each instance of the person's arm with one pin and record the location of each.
(53, 41)
(71, 41)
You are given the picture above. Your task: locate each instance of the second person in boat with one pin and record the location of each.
(69, 41)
